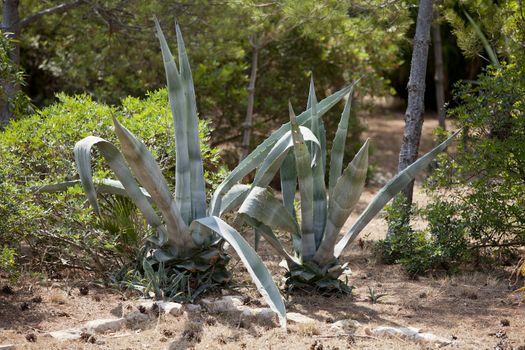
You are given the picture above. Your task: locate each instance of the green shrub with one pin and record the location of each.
(485, 177)
(38, 150)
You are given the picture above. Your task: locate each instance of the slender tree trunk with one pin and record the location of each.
(439, 75)
(248, 121)
(10, 24)
(416, 92)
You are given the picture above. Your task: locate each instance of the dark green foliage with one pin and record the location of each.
(310, 277)
(58, 228)
(442, 246)
(486, 176)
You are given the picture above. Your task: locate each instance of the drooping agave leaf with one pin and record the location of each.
(261, 205)
(345, 196)
(288, 175)
(117, 163)
(486, 45)
(306, 188)
(181, 113)
(109, 186)
(257, 156)
(147, 171)
(338, 146)
(319, 188)
(254, 265)
(270, 237)
(234, 198)
(271, 164)
(393, 187)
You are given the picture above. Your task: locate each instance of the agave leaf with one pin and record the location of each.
(393, 187)
(486, 45)
(270, 237)
(253, 263)
(178, 110)
(338, 146)
(234, 198)
(271, 164)
(288, 175)
(261, 205)
(345, 196)
(319, 188)
(147, 171)
(306, 188)
(117, 163)
(198, 190)
(257, 156)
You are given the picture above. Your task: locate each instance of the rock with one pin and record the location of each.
(298, 318)
(347, 325)
(411, 333)
(264, 314)
(135, 319)
(66, 334)
(193, 308)
(105, 325)
(225, 304)
(171, 308)
(7, 347)
(117, 311)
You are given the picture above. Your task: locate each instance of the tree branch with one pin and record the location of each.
(56, 9)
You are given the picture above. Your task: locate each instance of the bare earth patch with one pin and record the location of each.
(475, 310)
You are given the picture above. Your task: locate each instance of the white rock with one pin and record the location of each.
(264, 313)
(193, 308)
(225, 304)
(105, 325)
(432, 338)
(171, 308)
(298, 318)
(66, 334)
(409, 332)
(347, 325)
(7, 347)
(135, 319)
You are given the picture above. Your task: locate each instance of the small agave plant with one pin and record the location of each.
(300, 156)
(188, 238)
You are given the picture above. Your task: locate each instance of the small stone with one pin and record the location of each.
(105, 325)
(171, 308)
(193, 308)
(135, 319)
(396, 331)
(117, 310)
(224, 304)
(299, 318)
(432, 338)
(348, 325)
(7, 347)
(263, 313)
(66, 334)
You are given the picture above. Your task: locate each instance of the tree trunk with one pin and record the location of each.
(439, 75)
(248, 121)
(10, 24)
(416, 92)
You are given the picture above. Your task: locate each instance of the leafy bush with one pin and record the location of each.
(485, 177)
(442, 246)
(38, 150)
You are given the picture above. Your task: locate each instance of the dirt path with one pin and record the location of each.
(476, 309)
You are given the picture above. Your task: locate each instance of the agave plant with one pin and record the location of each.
(300, 156)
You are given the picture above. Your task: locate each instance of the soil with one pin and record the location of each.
(478, 309)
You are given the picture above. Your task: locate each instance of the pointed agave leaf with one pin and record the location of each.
(234, 198)
(319, 189)
(345, 196)
(257, 156)
(253, 263)
(486, 45)
(273, 161)
(198, 190)
(338, 146)
(288, 175)
(178, 110)
(261, 205)
(306, 189)
(393, 187)
(117, 163)
(147, 171)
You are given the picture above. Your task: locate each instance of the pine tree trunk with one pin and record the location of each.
(416, 92)
(248, 121)
(439, 75)
(10, 24)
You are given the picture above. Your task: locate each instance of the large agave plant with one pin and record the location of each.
(300, 156)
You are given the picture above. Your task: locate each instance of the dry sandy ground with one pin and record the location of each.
(469, 308)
